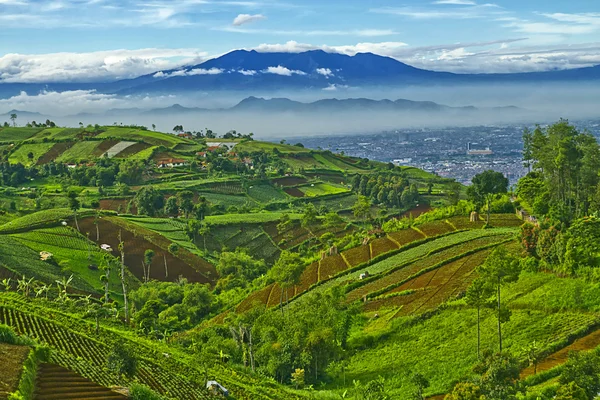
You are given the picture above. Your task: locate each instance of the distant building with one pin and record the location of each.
(478, 152)
(172, 163)
(402, 161)
(217, 389)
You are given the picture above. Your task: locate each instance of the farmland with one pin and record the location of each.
(273, 268)
(21, 155)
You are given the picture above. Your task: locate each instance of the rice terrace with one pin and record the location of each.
(147, 265)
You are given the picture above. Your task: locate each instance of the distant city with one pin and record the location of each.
(459, 153)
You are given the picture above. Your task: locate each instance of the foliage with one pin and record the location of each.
(486, 187)
(122, 361)
(142, 392)
(583, 369)
(565, 162)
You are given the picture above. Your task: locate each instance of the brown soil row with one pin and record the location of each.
(54, 152)
(588, 342)
(136, 245)
(11, 360)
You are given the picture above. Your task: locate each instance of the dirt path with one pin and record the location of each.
(588, 342)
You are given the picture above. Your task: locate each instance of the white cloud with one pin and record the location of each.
(496, 56)
(332, 87)
(13, 3)
(280, 70)
(456, 2)
(94, 66)
(326, 72)
(247, 18)
(306, 32)
(247, 72)
(189, 72)
(383, 48)
(466, 12)
(201, 71)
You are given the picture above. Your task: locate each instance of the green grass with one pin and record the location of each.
(252, 146)
(45, 217)
(73, 253)
(443, 348)
(22, 260)
(20, 155)
(80, 151)
(322, 189)
(265, 193)
(143, 155)
(150, 137)
(17, 134)
(257, 218)
(417, 173)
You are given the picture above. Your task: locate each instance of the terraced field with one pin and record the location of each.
(138, 239)
(21, 155)
(77, 348)
(410, 255)
(57, 383)
(404, 272)
(12, 358)
(119, 147)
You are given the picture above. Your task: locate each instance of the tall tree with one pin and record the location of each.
(499, 269)
(486, 186)
(186, 202)
(123, 277)
(74, 205)
(13, 118)
(148, 258)
(478, 295)
(286, 272)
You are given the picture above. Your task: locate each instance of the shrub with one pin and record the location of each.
(8, 335)
(142, 392)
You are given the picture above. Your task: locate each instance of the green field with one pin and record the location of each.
(80, 151)
(72, 251)
(153, 138)
(322, 189)
(12, 135)
(21, 154)
(252, 146)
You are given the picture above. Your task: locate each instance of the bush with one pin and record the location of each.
(122, 361)
(141, 392)
(8, 335)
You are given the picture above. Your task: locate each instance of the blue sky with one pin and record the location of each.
(111, 39)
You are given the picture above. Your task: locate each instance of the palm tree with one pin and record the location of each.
(123, 282)
(24, 285)
(13, 118)
(63, 285)
(74, 205)
(6, 283)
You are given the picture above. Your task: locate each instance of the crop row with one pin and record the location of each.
(405, 271)
(409, 255)
(88, 356)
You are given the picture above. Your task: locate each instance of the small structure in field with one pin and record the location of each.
(364, 275)
(217, 389)
(45, 255)
(106, 247)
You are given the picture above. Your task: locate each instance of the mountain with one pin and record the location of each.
(280, 105)
(336, 105)
(23, 116)
(243, 70)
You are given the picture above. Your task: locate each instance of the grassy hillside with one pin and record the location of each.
(280, 271)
